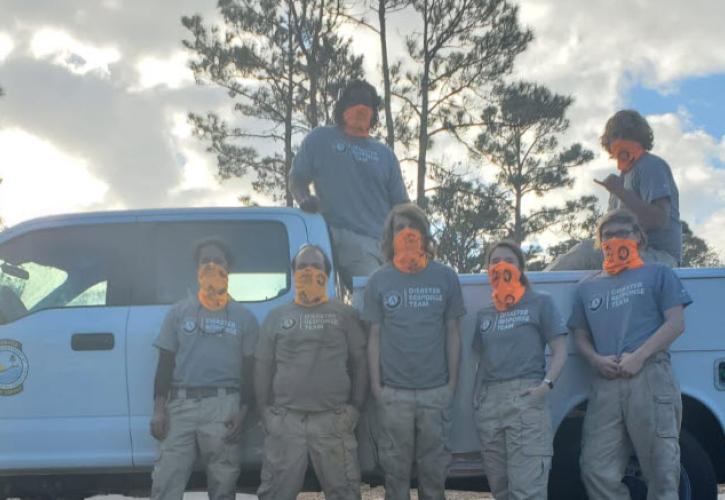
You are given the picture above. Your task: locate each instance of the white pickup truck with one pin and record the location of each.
(83, 296)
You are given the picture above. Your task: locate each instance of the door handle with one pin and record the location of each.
(92, 341)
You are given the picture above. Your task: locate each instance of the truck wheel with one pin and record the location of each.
(697, 476)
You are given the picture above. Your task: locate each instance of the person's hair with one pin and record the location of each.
(213, 241)
(516, 249)
(627, 124)
(420, 222)
(620, 216)
(325, 258)
(343, 102)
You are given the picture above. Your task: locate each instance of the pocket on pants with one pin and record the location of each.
(536, 434)
(666, 417)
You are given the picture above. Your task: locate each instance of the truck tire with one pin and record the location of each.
(697, 477)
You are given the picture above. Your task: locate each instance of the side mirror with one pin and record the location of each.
(15, 271)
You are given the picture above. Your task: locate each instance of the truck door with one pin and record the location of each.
(63, 311)
(261, 245)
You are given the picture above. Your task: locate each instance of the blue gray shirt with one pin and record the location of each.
(622, 311)
(209, 345)
(651, 178)
(511, 344)
(412, 310)
(357, 180)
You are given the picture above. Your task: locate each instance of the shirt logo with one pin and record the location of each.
(288, 323)
(340, 147)
(596, 303)
(392, 300)
(486, 325)
(189, 325)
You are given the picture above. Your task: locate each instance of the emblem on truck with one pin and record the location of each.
(14, 367)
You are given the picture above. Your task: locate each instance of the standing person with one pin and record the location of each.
(512, 382)
(203, 382)
(357, 180)
(413, 304)
(311, 382)
(624, 319)
(645, 186)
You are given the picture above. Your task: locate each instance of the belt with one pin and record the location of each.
(201, 392)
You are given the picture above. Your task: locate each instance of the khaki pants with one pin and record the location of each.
(355, 254)
(641, 414)
(197, 429)
(516, 439)
(329, 440)
(414, 427)
(583, 257)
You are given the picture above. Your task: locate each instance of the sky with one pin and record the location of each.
(97, 93)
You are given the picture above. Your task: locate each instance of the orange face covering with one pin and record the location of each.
(506, 286)
(620, 254)
(409, 255)
(626, 153)
(310, 287)
(357, 120)
(213, 284)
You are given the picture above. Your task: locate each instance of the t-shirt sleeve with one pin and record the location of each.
(251, 336)
(356, 339)
(454, 302)
(303, 165)
(552, 323)
(167, 338)
(578, 318)
(264, 350)
(396, 186)
(670, 291)
(372, 307)
(654, 180)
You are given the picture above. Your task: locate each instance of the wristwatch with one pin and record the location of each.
(549, 383)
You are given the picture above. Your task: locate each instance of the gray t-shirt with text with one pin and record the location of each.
(511, 344)
(412, 310)
(357, 180)
(651, 178)
(622, 311)
(209, 345)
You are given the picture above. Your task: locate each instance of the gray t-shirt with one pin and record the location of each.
(511, 344)
(209, 345)
(412, 310)
(357, 180)
(310, 348)
(622, 311)
(651, 178)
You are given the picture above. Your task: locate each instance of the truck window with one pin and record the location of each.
(77, 266)
(260, 258)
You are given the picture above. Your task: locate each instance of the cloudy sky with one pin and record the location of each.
(97, 92)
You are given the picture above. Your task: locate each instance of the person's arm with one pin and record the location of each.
(453, 351)
(300, 177)
(631, 363)
(374, 359)
(263, 375)
(607, 366)
(558, 358)
(651, 215)
(357, 354)
(162, 387)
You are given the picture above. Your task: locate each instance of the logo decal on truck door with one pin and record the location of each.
(14, 367)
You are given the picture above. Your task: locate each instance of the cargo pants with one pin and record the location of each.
(327, 438)
(641, 414)
(196, 430)
(414, 427)
(584, 256)
(516, 439)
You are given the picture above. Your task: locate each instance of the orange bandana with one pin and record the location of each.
(213, 284)
(620, 254)
(357, 120)
(409, 256)
(310, 287)
(626, 153)
(506, 287)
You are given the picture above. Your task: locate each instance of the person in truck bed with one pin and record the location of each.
(203, 382)
(512, 381)
(311, 382)
(624, 320)
(414, 305)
